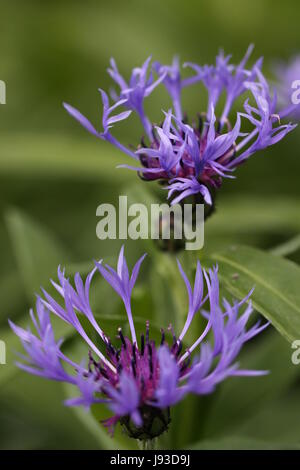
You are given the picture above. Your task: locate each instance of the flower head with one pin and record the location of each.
(136, 378)
(192, 159)
(288, 77)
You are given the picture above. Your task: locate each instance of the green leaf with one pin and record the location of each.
(12, 297)
(37, 251)
(240, 398)
(237, 442)
(278, 421)
(38, 405)
(276, 281)
(225, 411)
(91, 420)
(92, 424)
(168, 291)
(252, 214)
(253, 220)
(60, 156)
(274, 426)
(287, 248)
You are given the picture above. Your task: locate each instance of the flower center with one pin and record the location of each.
(186, 167)
(142, 364)
(155, 422)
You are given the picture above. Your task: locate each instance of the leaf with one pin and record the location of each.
(276, 281)
(92, 425)
(254, 221)
(237, 399)
(254, 214)
(37, 252)
(168, 291)
(91, 420)
(287, 248)
(277, 421)
(12, 296)
(237, 442)
(120, 439)
(139, 193)
(38, 404)
(240, 398)
(58, 155)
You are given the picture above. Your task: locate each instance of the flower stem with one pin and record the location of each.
(147, 444)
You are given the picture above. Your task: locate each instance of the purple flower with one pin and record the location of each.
(268, 130)
(173, 82)
(288, 78)
(107, 121)
(125, 399)
(225, 77)
(193, 159)
(136, 90)
(138, 379)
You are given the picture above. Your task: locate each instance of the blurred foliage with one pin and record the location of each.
(53, 175)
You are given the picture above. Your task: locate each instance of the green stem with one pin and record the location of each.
(147, 444)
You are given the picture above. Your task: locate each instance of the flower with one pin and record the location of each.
(288, 77)
(193, 159)
(137, 379)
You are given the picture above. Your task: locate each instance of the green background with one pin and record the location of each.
(53, 175)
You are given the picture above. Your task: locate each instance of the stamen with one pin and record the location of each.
(118, 352)
(133, 363)
(147, 331)
(153, 130)
(200, 123)
(134, 352)
(92, 362)
(110, 347)
(122, 337)
(142, 344)
(185, 119)
(170, 328)
(162, 336)
(150, 359)
(179, 344)
(91, 359)
(185, 365)
(103, 372)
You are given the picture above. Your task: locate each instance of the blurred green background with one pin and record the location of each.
(53, 175)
